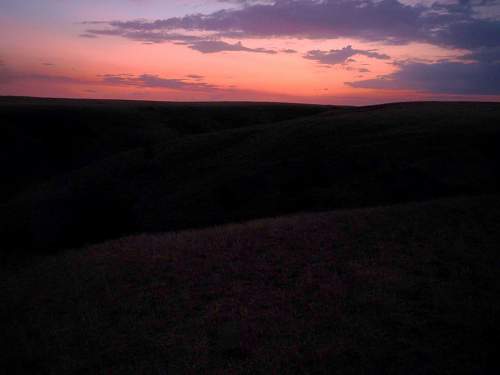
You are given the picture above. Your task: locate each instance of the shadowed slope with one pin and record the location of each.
(346, 157)
(44, 138)
(407, 289)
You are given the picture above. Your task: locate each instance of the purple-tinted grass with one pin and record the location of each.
(403, 289)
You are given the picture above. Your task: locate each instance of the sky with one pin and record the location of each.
(353, 52)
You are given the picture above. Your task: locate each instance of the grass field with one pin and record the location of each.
(408, 289)
(249, 238)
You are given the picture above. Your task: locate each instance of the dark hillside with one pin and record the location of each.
(44, 138)
(409, 289)
(341, 158)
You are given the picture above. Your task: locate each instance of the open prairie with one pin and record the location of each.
(406, 289)
(158, 238)
(249, 187)
(79, 172)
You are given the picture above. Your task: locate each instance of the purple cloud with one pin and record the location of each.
(144, 80)
(196, 77)
(88, 35)
(201, 44)
(445, 77)
(213, 46)
(148, 36)
(154, 81)
(388, 21)
(484, 54)
(342, 56)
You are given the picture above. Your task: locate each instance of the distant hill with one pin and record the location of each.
(407, 289)
(45, 138)
(80, 172)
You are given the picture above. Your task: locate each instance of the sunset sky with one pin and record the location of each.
(330, 51)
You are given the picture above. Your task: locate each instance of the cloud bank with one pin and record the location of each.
(443, 77)
(472, 25)
(457, 24)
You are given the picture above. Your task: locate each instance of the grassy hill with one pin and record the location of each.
(45, 138)
(406, 289)
(81, 172)
(393, 270)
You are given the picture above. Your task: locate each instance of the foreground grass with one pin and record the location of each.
(409, 289)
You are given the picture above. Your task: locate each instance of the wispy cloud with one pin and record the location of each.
(203, 44)
(193, 82)
(342, 56)
(213, 46)
(155, 81)
(88, 35)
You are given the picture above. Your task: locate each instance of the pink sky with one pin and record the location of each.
(47, 49)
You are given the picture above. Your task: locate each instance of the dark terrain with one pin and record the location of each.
(79, 172)
(393, 269)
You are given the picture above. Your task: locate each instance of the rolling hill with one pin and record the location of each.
(405, 289)
(80, 172)
(367, 239)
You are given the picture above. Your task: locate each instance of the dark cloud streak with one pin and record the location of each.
(213, 46)
(145, 80)
(444, 77)
(154, 81)
(342, 56)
